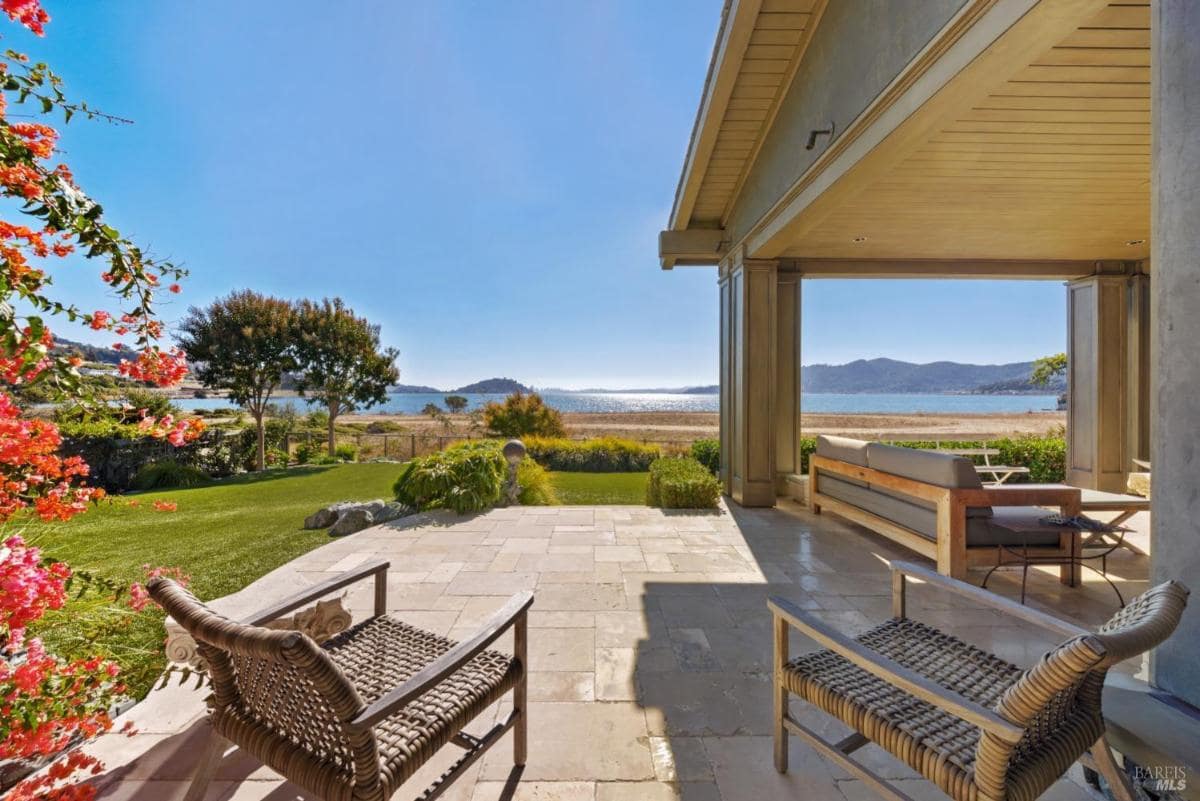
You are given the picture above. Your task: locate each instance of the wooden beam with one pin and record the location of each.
(691, 246)
(936, 268)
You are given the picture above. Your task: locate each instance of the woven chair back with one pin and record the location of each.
(278, 695)
(1058, 700)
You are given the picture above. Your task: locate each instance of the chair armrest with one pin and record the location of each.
(896, 674)
(984, 597)
(437, 671)
(377, 568)
(1067, 498)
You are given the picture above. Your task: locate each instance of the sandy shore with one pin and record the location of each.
(694, 425)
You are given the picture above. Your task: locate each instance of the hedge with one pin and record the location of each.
(1045, 456)
(598, 455)
(682, 483)
(116, 453)
(708, 453)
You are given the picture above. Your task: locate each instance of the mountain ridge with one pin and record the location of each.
(861, 376)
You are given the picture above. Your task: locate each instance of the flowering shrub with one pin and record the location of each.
(48, 703)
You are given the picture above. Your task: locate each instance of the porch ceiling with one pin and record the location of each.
(1052, 163)
(1021, 133)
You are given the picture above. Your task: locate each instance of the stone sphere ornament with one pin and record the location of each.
(514, 451)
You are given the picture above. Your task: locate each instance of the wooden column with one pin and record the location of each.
(748, 364)
(725, 369)
(1098, 314)
(787, 384)
(1137, 385)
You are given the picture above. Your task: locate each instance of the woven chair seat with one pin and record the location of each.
(914, 731)
(380, 654)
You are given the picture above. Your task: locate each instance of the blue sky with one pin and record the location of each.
(485, 180)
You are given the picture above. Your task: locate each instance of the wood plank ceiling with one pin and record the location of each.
(775, 47)
(1055, 164)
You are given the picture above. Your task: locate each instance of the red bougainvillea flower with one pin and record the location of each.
(27, 12)
(162, 368)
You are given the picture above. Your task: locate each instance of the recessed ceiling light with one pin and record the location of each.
(1136, 242)
(860, 239)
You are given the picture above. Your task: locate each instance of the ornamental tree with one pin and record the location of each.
(242, 343)
(342, 363)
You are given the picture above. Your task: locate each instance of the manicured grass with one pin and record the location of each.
(224, 535)
(585, 489)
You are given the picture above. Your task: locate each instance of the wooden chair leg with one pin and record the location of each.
(521, 691)
(779, 711)
(206, 768)
(1118, 781)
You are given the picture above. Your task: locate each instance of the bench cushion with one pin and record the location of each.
(1014, 525)
(928, 467)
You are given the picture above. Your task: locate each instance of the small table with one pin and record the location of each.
(1127, 506)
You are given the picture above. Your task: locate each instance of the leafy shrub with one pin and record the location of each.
(169, 474)
(384, 427)
(708, 453)
(682, 484)
(276, 457)
(345, 452)
(156, 404)
(522, 415)
(465, 477)
(470, 476)
(306, 452)
(599, 455)
(534, 481)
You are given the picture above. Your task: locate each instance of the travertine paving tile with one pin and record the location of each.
(649, 649)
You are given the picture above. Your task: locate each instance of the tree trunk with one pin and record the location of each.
(333, 410)
(262, 441)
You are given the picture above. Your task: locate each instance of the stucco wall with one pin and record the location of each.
(1175, 295)
(858, 48)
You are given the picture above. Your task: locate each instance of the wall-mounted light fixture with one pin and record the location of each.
(813, 134)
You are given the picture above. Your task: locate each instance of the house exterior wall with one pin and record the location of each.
(1175, 300)
(859, 47)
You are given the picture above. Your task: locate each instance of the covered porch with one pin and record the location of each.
(962, 139)
(649, 647)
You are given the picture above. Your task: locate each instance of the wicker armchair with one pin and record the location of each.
(976, 726)
(354, 717)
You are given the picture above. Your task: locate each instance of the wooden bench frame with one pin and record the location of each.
(949, 550)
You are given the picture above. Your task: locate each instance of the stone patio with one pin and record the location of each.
(649, 648)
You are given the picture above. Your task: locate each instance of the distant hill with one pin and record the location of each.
(414, 389)
(503, 386)
(891, 375)
(91, 353)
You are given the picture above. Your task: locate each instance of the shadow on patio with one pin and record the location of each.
(703, 670)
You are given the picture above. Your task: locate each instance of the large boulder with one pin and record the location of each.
(391, 511)
(347, 517)
(352, 520)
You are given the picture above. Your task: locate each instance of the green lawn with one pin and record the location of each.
(224, 535)
(585, 489)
